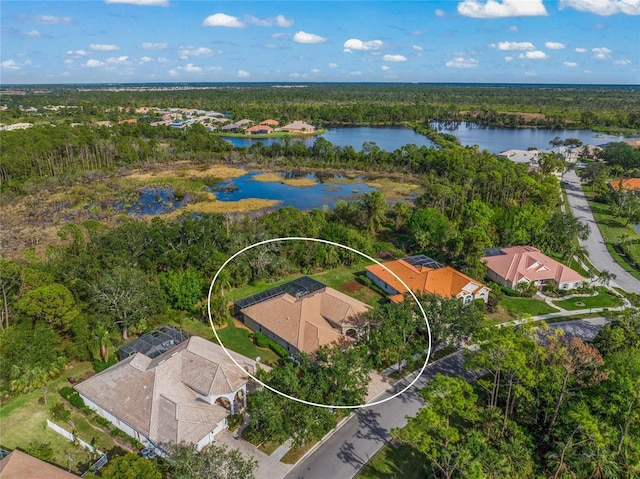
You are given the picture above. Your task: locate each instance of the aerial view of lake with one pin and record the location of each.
(495, 139)
(301, 197)
(386, 138)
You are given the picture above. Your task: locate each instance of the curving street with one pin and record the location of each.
(598, 254)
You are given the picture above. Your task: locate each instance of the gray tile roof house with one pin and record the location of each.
(182, 396)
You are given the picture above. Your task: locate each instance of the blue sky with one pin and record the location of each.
(510, 41)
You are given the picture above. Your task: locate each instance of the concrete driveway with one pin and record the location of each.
(595, 245)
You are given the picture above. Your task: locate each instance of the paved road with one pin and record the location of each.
(351, 446)
(598, 253)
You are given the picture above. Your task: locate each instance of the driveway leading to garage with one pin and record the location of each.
(598, 254)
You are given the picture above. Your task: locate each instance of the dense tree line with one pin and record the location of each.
(335, 104)
(547, 406)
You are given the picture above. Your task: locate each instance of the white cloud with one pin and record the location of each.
(145, 60)
(10, 65)
(355, 74)
(280, 35)
(581, 50)
(554, 45)
(509, 46)
(222, 20)
(304, 37)
(505, 8)
(191, 68)
(123, 60)
(514, 29)
(333, 65)
(356, 44)
(190, 51)
(92, 63)
(316, 70)
(142, 3)
(68, 61)
(154, 46)
(103, 47)
(46, 19)
(530, 74)
(570, 64)
(385, 68)
(31, 34)
(79, 53)
(243, 74)
(173, 72)
(439, 13)
(282, 21)
(601, 53)
(534, 55)
(460, 62)
(603, 7)
(162, 60)
(215, 69)
(508, 59)
(394, 58)
(622, 62)
(417, 48)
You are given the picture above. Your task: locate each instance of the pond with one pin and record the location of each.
(152, 201)
(386, 138)
(323, 192)
(496, 140)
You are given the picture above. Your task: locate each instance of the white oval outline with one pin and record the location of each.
(318, 240)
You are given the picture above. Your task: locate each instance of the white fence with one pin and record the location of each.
(73, 438)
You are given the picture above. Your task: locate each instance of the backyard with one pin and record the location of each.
(23, 422)
(403, 461)
(520, 306)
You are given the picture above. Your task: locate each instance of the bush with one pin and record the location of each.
(40, 450)
(99, 365)
(59, 412)
(261, 340)
(73, 397)
(103, 422)
(279, 350)
(235, 421)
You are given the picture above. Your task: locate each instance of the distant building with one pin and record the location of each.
(529, 157)
(525, 264)
(270, 122)
(259, 130)
(425, 275)
(298, 127)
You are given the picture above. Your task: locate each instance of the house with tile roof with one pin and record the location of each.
(302, 320)
(519, 264)
(259, 130)
(425, 275)
(184, 395)
(19, 465)
(298, 127)
(626, 184)
(270, 122)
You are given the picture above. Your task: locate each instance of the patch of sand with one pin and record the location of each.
(211, 206)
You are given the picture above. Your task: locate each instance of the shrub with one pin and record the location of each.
(40, 450)
(59, 412)
(261, 340)
(73, 397)
(279, 350)
(99, 365)
(234, 421)
(264, 342)
(102, 421)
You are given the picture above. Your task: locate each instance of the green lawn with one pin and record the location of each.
(23, 420)
(612, 229)
(533, 307)
(237, 339)
(602, 300)
(402, 463)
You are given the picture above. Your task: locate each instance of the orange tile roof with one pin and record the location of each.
(310, 321)
(627, 184)
(269, 122)
(528, 263)
(446, 281)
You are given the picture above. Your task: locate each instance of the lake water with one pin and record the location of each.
(496, 139)
(386, 138)
(301, 197)
(488, 138)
